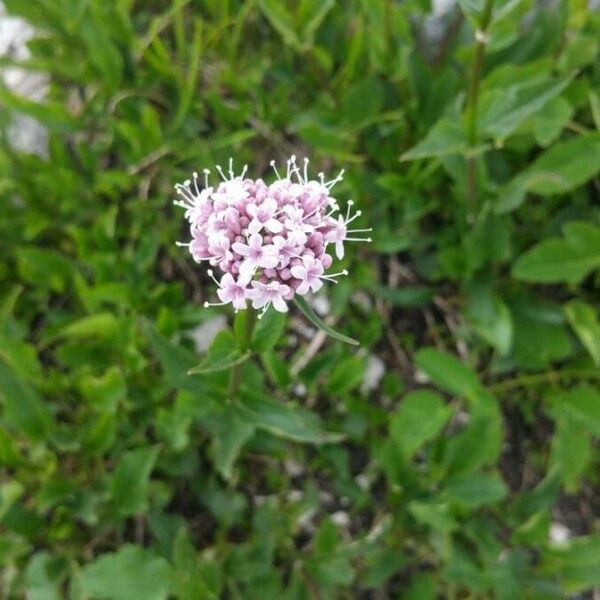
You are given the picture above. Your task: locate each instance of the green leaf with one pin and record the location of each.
(576, 564)
(362, 102)
(222, 355)
(420, 417)
(551, 120)
(562, 168)
(40, 584)
(131, 573)
(562, 260)
(23, 408)
(102, 325)
(268, 330)
(446, 137)
(503, 110)
(129, 484)
(284, 420)
(540, 334)
(310, 314)
(571, 449)
(490, 317)
(582, 404)
(480, 443)
(176, 361)
(345, 376)
(230, 432)
(447, 372)
(584, 320)
(473, 490)
(435, 515)
(297, 30)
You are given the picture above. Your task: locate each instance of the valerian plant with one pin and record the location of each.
(453, 454)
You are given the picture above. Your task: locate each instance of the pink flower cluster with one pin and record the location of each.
(269, 241)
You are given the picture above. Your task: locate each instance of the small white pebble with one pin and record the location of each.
(295, 495)
(293, 468)
(374, 371)
(559, 534)
(341, 518)
(321, 305)
(363, 481)
(300, 390)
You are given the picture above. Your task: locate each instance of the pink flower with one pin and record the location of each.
(309, 273)
(265, 294)
(287, 249)
(263, 215)
(256, 255)
(233, 291)
(269, 241)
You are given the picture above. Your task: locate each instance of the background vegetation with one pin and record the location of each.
(470, 470)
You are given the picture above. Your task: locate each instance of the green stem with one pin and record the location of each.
(541, 378)
(244, 337)
(471, 108)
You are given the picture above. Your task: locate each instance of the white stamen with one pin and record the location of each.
(212, 276)
(220, 171)
(272, 163)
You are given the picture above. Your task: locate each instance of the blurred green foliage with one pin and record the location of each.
(121, 476)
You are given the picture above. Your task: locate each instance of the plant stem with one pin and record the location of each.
(541, 378)
(244, 340)
(471, 108)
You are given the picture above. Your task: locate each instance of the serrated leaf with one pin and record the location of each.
(310, 314)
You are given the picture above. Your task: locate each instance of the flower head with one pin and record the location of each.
(270, 242)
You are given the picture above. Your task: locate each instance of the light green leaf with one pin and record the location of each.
(446, 137)
(129, 484)
(40, 585)
(23, 408)
(582, 404)
(435, 515)
(222, 355)
(447, 372)
(473, 490)
(576, 563)
(230, 432)
(561, 169)
(584, 320)
(420, 417)
(268, 330)
(101, 325)
(562, 260)
(345, 376)
(131, 573)
(571, 449)
(310, 314)
(284, 420)
(503, 110)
